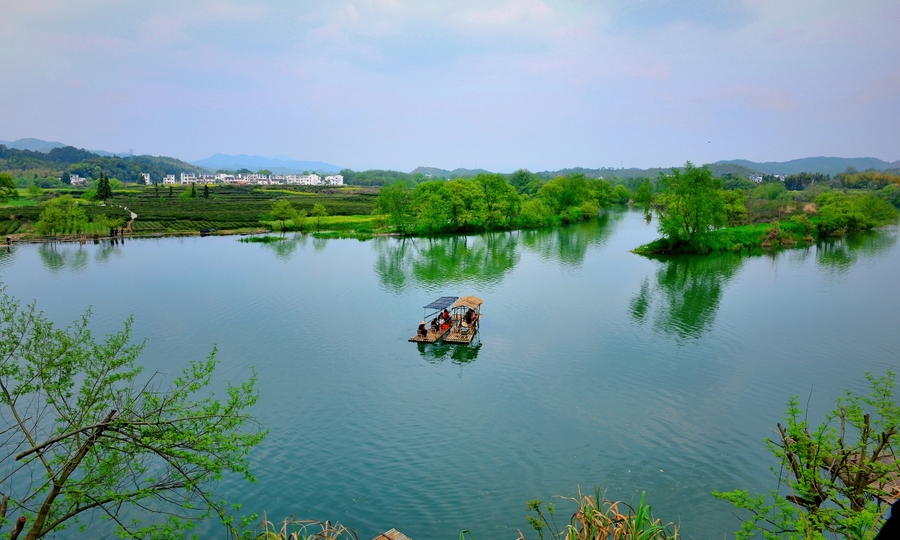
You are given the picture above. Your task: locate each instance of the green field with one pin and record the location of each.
(225, 208)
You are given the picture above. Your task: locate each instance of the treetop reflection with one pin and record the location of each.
(484, 259)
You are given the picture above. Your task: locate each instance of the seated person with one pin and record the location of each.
(423, 331)
(446, 315)
(470, 316)
(435, 324)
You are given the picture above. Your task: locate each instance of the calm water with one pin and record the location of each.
(596, 366)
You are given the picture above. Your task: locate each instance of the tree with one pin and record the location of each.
(61, 215)
(87, 435)
(104, 190)
(828, 476)
(193, 190)
(283, 210)
(690, 205)
(205, 191)
(7, 187)
(318, 212)
(265, 172)
(66, 178)
(644, 196)
(394, 201)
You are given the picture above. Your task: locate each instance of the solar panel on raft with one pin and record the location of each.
(442, 302)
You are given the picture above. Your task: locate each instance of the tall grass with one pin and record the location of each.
(597, 518)
(297, 529)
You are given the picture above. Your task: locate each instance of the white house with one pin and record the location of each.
(335, 180)
(146, 177)
(169, 179)
(76, 180)
(188, 178)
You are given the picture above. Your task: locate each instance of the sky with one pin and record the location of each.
(493, 84)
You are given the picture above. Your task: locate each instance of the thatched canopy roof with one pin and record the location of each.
(469, 301)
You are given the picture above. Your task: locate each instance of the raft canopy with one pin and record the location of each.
(472, 302)
(443, 302)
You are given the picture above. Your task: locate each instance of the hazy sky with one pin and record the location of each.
(497, 84)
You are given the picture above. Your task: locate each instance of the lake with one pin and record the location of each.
(596, 366)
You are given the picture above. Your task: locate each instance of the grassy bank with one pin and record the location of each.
(788, 233)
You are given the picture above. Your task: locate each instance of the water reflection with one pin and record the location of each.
(6, 256)
(56, 257)
(683, 299)
(839, 254)
(568, 245)
(435, 353)
(484, 259)
(284, 248)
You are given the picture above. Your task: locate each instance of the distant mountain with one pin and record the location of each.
(824, 165)
(444, 173)
(277, 164)
(35, 145)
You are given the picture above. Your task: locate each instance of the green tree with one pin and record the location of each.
(34, 191)
(193, 190)
(66, 178)
(104, 190)
(61, 215)
(431, 203)
(467, 204)
(828, 475)
(735, 206)
(86, 434)
(690, 205)
(644, 195)
(394, 200)
(7, 187)
(283, 210)
(266, 172)
(205, 191)
(318, 212)
(501, 200)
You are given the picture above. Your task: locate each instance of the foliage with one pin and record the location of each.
(840, 213)
(771, 191)
(801, 181)
(283, 210)
(891, 194)
(394, 201)
(690, 205)
(600, 519)
(60, 215)
(86, 435)
(868, 179)
(104, 190)
(296, 529)
(318, 212)
(7, 187)
(644, 195)
(826, 474)
(735, 207)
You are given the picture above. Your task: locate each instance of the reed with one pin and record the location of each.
(298, 529)
(599, 518)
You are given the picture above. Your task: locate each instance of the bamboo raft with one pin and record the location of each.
(392, 534)
(456, 330)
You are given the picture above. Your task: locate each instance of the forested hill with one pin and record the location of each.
(823, 165)
(434, 172)
(718, 169)
(89, 165)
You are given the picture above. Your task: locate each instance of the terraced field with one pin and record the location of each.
(225, 208)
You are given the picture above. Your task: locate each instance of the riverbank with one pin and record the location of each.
(780, 234)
